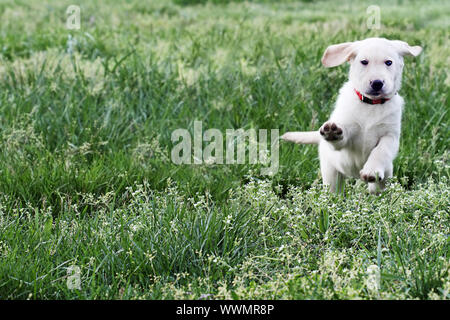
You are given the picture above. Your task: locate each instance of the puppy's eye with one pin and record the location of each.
(388, 62)
(364, 62)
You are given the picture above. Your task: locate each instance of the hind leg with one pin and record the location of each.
(330, 176)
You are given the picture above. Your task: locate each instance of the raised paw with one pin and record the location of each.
(369, 175)
(331, 132)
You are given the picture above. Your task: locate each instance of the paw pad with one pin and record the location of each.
(371, 176)
(331, 132)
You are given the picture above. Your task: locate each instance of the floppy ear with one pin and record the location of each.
(404, 49)
(337, 54)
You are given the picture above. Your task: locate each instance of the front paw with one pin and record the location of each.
(371, 175)
(330, 131)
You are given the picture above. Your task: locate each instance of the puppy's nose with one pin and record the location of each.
(376, 85)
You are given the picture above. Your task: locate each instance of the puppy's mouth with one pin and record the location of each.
(373, 94)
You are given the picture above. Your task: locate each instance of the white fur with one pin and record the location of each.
(370, 134)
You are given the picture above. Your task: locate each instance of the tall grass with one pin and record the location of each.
(86, 177)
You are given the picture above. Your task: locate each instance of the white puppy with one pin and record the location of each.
(361, 138)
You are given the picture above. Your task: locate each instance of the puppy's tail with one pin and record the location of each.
(305, 137)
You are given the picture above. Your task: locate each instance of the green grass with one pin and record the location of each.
(85, 138)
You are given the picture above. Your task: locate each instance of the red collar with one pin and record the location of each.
(368, 100)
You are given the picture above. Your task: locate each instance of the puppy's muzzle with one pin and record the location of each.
(376, 85)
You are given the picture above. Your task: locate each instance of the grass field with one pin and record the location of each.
(88, 190)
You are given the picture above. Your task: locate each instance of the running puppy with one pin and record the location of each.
(361, 138)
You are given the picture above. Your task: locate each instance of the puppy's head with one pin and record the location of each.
(376, 64)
